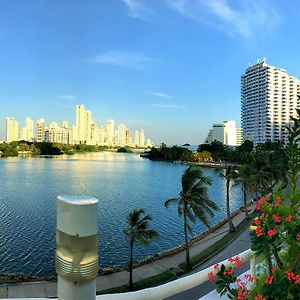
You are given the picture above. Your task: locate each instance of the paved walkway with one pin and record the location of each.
(45, 289)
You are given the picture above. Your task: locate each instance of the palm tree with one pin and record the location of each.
(261, 176)
(276, 167)
(244, 177)
(138, 231)
(229, 174)
(193, 202)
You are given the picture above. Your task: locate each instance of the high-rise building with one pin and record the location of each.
(27, 131)
(269, 97)
(110, 130)
(85, 131)
(136, 139)
(225, 133)
(12, 130)
(122, 135)
(80, 124)
(142, 138)
(40, 130)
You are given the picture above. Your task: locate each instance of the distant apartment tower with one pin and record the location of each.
(269, 97)
(12, 130)
(27, 131)
(225, 133)
(142, 138)
(110, 131)
(40, 130)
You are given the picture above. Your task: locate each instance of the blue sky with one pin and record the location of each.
(171, 67)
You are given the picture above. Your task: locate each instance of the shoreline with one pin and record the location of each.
(22, 277)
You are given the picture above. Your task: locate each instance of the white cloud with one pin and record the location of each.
(66, 97)
(245, 18)
(137, 9)
(168, 105)
(123, 59)
(160, 94)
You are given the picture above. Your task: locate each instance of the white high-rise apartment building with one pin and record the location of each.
(269, 99)
(122, 135)
(225, 132)
(136, 139)
(40, 130)
(27, 131)
(142, 138)
(80, 124)
(110, 130)
(12, 130)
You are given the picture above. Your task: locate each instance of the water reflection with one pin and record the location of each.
(120, 181)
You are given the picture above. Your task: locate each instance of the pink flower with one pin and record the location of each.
(298, 236)
(216, 266)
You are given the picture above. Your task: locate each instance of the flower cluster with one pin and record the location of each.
(226, 278)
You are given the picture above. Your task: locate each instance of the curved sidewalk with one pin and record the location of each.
(49, 289)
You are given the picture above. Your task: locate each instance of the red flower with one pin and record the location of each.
(231, 259)
(260, 201)
(289, 218)
(297, 279)
(258, 231)
(290, 275)
(238, 262)
(230, 271)
(216, 266)
(278, 198)
(269, 279)
(274, 269)
(276, 218)
(249, 277)
(277, 204)
(298, 236)
(258, 207)
(212, 277)
(271, 232)
(256, 222)
(259, 297)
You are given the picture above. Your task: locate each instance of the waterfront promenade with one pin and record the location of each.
(49, 289)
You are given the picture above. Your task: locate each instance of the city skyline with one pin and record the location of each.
(171, 67)
(84, 131)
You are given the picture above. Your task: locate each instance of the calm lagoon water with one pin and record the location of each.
(121, 182)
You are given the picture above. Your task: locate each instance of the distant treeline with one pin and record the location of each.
(216, 152)
(45, 148)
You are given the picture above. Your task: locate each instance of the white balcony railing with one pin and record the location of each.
(176, 286)
(179, 285)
